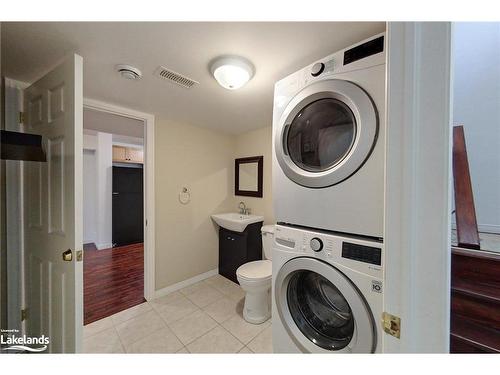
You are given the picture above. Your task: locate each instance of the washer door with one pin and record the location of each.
(326, 133)
(322, 310)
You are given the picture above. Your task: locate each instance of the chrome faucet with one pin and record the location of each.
(243, 209)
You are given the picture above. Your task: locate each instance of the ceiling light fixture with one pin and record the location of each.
(232, 72)
(129, 71)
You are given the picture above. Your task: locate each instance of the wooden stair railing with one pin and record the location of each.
(465, 212)
(475, 274)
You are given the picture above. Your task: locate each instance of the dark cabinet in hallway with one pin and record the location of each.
(128, 206)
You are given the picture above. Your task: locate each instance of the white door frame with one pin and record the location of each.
(14, 102)
(149, 198)
(418, 185)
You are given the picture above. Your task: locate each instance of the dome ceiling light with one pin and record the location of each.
(232, 72)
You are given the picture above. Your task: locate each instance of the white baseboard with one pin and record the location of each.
(487, 228)
(193, 280)
(104, 246)
(484, 228)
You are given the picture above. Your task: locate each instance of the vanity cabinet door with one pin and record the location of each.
(232, 253)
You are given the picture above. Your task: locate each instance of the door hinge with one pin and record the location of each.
(21, 117)
(24, 314)
(391, 324)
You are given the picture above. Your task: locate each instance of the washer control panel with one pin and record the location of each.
(316, 244)
(362, 254)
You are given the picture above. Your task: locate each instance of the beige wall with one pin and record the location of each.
(257, 143)
(186, 237)
(203, 161)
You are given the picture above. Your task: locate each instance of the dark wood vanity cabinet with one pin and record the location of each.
(237, 248)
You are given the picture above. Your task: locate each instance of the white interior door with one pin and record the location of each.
(53, 208)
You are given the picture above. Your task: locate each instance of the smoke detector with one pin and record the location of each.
(129, 72)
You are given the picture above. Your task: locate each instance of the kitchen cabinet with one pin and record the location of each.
(122, 154)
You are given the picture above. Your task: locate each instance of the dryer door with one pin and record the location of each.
(322, 310)
(326, 133)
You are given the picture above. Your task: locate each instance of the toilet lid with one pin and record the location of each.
(259, 269)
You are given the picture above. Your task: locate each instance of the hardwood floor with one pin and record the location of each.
(113, 280)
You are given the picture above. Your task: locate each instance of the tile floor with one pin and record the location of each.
(205, 317)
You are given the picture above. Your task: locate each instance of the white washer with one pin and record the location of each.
(327, 292)
(328, 142)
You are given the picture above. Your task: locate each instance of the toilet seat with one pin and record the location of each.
(256, 271)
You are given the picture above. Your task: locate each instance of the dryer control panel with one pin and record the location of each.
(357, 253)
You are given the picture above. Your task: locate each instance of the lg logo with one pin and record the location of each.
(376, 286)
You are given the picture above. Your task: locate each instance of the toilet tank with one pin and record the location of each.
(267, 240)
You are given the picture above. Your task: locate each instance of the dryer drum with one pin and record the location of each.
(326, 133)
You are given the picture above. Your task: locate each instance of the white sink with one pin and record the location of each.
(236, 222)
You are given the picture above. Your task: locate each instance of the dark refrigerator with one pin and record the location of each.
(128, 206)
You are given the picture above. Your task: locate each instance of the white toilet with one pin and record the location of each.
(255, 280)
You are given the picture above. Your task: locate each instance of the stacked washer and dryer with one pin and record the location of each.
(328, 191)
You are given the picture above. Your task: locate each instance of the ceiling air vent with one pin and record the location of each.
(174, 77)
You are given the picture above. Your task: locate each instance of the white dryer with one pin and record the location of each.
(327, 293)
(328, 142)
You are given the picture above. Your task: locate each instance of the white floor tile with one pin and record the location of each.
(96, 327)
(193, 326)
(263, 343)
(218, 281)
(176, 309)
(162, 341)
(245, 350)
(226, 287)
(106, 341)
(223, 309)
(243, 330)
(169, 298)
(175, 324)
(125, 315)
(217, 340)
(233, 292)
(139, 327)
(205, 296)
(193, 288)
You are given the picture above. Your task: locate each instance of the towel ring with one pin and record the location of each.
(184, 196)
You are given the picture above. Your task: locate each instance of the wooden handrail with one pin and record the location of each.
(465, 212)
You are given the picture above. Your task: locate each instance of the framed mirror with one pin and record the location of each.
(248, 176)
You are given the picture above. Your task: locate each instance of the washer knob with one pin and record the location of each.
(316, 244)
(317, 69)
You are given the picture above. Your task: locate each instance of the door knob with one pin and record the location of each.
(67, 255)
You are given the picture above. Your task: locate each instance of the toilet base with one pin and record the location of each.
(257, 308)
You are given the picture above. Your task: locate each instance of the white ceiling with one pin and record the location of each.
(276, 49)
